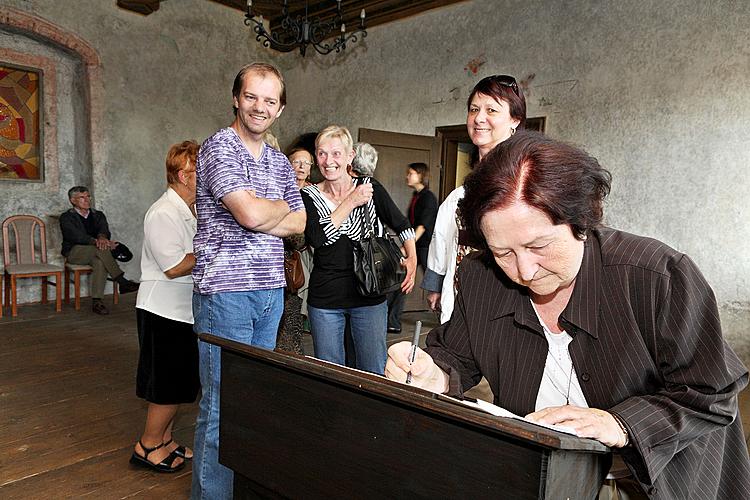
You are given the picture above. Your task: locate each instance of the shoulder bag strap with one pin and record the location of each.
(368, 224)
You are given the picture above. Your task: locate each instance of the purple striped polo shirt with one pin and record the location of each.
(230, 258)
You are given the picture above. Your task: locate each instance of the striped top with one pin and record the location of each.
(230, 258)
(332, 282)
(647, 346)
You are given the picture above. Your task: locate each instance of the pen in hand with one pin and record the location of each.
(414, 344)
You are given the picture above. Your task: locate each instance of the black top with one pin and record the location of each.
(423, 212)
(76, 232)
(332, 282)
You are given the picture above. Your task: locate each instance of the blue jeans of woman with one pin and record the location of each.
(368, 325)
(248, 317)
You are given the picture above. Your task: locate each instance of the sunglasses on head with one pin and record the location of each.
(506, 81)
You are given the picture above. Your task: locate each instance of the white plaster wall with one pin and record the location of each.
(658, 91)
(167, 77)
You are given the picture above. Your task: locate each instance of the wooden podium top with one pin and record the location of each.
(342, 433)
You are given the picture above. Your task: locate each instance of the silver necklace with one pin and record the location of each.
(567, 393)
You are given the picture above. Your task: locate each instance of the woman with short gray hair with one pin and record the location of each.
(365, 159)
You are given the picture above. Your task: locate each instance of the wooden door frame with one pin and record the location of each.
(376, 137)
(448, 138)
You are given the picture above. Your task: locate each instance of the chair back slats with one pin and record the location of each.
(27, 230)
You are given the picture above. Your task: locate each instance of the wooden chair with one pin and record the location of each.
(77, 270)
(20, 259)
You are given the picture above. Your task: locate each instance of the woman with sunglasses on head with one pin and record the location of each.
(291, 326)
(496, 108)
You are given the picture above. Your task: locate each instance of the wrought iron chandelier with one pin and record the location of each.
(301, 31)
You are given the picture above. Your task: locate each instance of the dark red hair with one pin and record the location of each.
(564, 182)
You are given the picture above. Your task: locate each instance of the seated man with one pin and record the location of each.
(86, 240)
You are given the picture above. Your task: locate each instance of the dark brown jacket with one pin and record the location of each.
(647, 346)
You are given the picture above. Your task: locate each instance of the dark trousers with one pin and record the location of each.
(396, 300)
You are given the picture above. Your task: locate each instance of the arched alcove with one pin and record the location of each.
(71, 104)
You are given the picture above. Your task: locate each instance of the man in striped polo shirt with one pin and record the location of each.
(247, 200)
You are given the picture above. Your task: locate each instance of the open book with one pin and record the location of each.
(476, 404)
(498, 411)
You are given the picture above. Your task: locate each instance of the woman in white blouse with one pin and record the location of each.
(495, 109)
(168, 362)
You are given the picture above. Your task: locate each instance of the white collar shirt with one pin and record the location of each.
(168, 230)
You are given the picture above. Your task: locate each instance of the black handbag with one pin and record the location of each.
(377, 263)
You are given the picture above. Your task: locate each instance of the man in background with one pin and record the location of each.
(87, 241)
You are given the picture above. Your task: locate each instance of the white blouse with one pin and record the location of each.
(444, 248)
(560, 383)
(168, 230)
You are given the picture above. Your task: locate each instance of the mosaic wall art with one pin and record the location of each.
(20, 119)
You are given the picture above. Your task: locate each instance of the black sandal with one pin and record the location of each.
(179, 451)
(163, 466)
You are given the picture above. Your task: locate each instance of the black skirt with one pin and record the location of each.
(168, 362)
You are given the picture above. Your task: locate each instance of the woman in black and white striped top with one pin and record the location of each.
(335, 218)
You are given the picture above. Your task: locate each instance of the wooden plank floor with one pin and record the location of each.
(68, 412)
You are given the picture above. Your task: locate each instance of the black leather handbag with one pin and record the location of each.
(377, 263)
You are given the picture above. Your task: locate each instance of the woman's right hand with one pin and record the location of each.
(433, 300)
(361, 195)
(425, 373)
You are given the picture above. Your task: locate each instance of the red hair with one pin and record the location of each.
(564, 182)
(179, 157)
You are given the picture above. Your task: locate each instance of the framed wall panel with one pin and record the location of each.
(21, 141)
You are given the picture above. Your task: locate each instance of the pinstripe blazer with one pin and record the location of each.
(647, 346)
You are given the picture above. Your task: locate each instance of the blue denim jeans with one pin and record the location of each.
(368, 325)
(248, 317)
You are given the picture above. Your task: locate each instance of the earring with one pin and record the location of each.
(512, 130)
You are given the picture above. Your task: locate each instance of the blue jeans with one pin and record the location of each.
(368, 325)
(248, 317)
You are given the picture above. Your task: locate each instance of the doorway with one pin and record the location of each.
(395, 152)
(456, 156)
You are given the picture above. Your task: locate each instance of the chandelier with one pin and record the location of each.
(301, 31)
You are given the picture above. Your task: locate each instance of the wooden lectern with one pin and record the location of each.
(296, 427)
